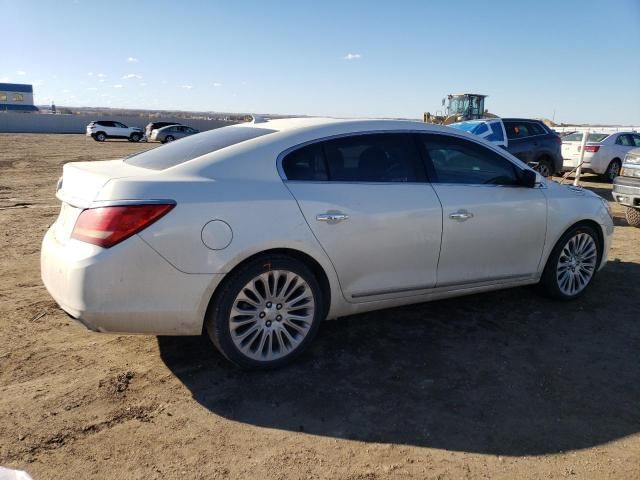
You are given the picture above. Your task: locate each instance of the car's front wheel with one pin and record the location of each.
(266, 312)
(100, 137)
(572, 264)
(135, 137)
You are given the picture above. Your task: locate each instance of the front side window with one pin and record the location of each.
(456, 160)
(18, 97)
(636, 140)
(516, 130)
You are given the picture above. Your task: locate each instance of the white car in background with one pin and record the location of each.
(257, 232)
(603, 153)
(105, 129)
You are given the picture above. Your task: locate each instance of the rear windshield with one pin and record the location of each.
(577, 137)
(194, 146)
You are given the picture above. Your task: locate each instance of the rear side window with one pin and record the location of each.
(194, 146)
(385, 157)
(456, 160)
(307, 164)
(625, 140)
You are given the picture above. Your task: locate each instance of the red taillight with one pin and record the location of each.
(591, 148)
(107, 226)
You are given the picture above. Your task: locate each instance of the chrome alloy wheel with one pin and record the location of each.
(576, 264)
(271, 315)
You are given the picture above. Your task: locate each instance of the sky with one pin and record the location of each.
(574, 61)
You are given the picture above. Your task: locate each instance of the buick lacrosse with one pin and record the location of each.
(257, 232)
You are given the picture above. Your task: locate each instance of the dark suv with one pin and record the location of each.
(535, 144)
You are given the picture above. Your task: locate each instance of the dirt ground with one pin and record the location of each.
(501, 385)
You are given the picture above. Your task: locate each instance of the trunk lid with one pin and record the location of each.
(79, 186)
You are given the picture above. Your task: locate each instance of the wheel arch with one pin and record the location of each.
(310, 262)
(587, 222)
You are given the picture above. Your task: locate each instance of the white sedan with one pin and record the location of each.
(257, 232)
(603, 153)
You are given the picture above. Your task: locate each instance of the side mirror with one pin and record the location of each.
(528, 178)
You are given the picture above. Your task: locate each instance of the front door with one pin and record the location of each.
(493, 229)
(368, 205)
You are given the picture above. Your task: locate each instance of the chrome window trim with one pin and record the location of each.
(488, 145)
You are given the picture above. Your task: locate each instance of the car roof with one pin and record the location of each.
(522, 120)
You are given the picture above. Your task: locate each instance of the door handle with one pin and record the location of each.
(331, 217)
(461, 215)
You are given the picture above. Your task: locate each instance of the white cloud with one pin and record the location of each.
(132, 60)
(20, 72)
(187, 87)
(90, 74)
(100, 75)
(117, 86)
(352, 56)
(217, 84)
(142, 84)
(38, 83)
(130, 76)
(102, 80)
(66, 90)
(5, 79)
(92, 89)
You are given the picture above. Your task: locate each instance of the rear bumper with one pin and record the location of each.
(626, 191)
(128, 288)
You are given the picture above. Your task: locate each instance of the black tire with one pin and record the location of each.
(549, 282)
(613, 170)
(100, 137)
(544, 167)
(218, 317)
(135, 137)
(168, 139)
(633, 216)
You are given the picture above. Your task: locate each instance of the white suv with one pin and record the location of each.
(104, 129)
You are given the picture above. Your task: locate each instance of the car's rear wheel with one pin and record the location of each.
(633, 216)
(613, 170)
(100, 137)
(135, 137)
(266, 312)
(168, 139)
(544, 167)
(572, 264)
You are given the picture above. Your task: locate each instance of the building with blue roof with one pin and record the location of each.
(16, 97)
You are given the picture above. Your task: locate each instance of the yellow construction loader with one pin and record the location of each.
(460, 107)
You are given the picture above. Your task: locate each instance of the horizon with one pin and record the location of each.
(355, 60)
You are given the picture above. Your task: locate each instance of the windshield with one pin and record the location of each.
(194, 146)
(577, 137)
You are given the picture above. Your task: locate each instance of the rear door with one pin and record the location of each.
(493, 229)
(367, 202)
